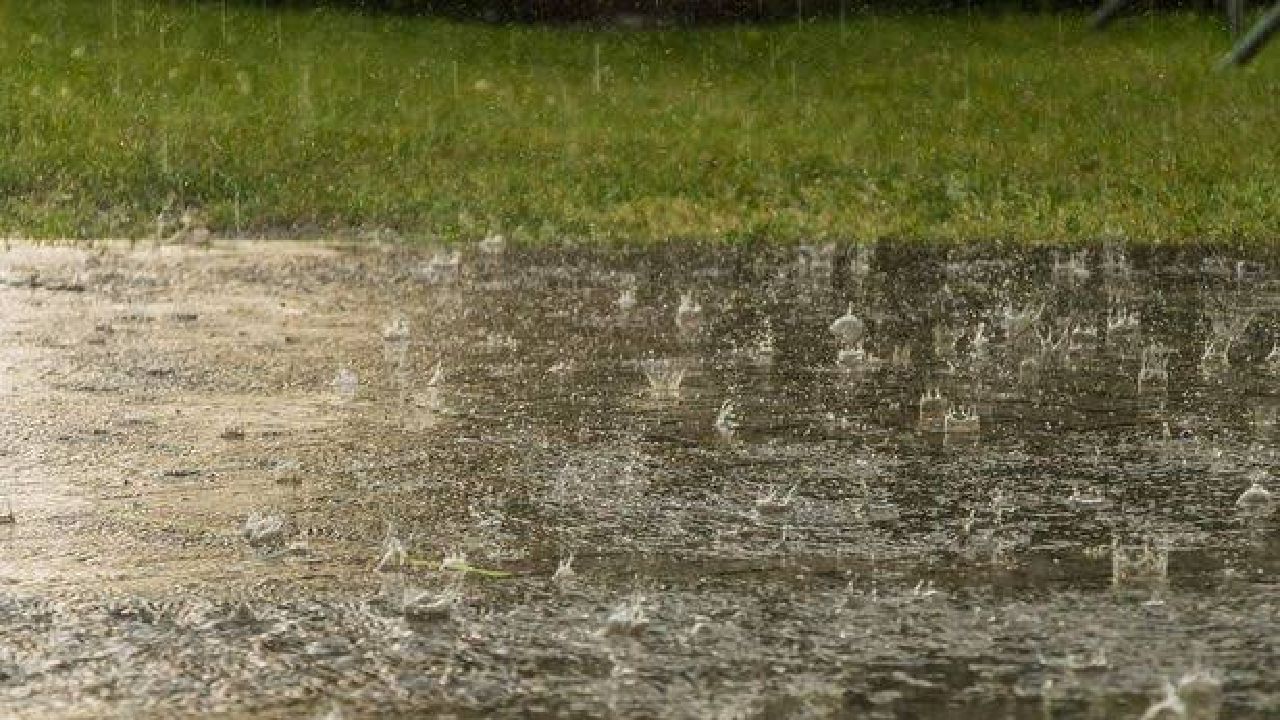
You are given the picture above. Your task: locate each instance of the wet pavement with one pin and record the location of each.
(303, 480)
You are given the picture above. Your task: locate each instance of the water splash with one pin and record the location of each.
(438, 376)
(1073, 270)
(933, 411)
(772, 502)
(1147, 562)
(766, 344)
(945, 340)
(1256, 500)
(395, 556)
(1272, 361)
(688, 314)
(1196, 696)
(492, 245)
(345, 384)
(1019, 323)
(1215, 358)
(1154, 371)
(857, 359)
(626, 300)
(442, 267)
(665, 376)
(1122, 321)
(627, 618)
(421, 604)
(564, 574)
(849, 329)
(726, 423)
(962, 422)
(262, 530)
(455, 561)
(396, 330)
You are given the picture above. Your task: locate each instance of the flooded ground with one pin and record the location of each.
(279, 480)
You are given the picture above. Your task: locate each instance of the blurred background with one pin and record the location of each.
(642, 12)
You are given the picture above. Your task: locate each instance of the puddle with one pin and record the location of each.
(294, 480)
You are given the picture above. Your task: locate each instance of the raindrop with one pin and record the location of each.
(848, 328)
(688, 314)
(726, 423)
(345, 384)
(765, 343)
(1256, 499)
(396, 330)
(626, 300)
(437, 375)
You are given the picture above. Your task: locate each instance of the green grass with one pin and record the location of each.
(310, 122)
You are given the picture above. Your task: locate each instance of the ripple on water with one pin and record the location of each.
(667, 496)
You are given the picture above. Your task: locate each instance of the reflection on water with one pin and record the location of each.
(291, 480)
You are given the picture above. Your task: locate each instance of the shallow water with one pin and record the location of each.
(815, 548)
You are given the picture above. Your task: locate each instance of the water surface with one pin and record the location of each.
(210, 452)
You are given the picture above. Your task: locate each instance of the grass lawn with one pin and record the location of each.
(309, 122)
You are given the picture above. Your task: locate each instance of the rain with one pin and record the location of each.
(635, 359)
(260, 490)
